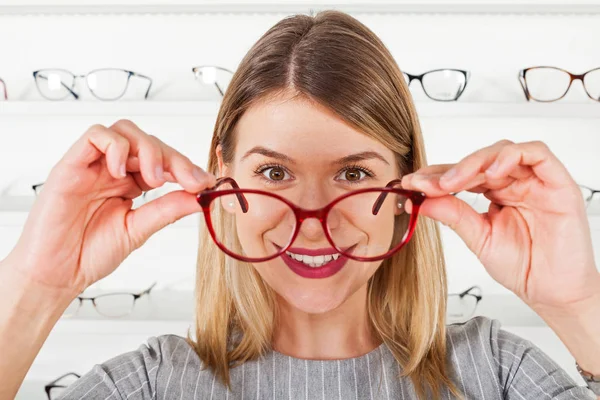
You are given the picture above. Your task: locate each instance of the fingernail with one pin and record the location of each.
(493, 168)
(159, 173)
(122, 170)
(449, 175)
(198, 174)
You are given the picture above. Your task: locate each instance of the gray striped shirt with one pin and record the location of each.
(488, 363)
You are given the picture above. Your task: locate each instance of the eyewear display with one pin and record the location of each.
(105, 84)
(588, 194)
(441, 84)
(56, 388)
(213, 75)
(345, 221)
(546, 84)
(462, 305)
(118, 304)
(3, 93)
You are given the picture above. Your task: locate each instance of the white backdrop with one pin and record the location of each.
(166, 47)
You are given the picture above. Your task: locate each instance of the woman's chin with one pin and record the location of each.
(313, 301)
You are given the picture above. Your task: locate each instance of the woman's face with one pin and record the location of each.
(303, 152)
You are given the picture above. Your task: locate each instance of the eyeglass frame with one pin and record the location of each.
(136, 296)
(84, 76)
(467, 292)
(207, 196)
(51, 385)
(593, 191)
(197, 68)
(4, 89)
(411, 77)
(573, 77)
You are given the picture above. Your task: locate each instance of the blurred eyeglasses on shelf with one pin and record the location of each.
(213, 75)
(591, 197)
(104, 83)
(461, 306)
(3, 92)
(114, 305)
(57, 387)
(546, 84)
(441, 84)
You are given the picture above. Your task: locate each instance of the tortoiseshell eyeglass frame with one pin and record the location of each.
(207, 196)
(572, 77)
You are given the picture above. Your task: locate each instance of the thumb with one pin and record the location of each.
(472, 227)
(151, 217)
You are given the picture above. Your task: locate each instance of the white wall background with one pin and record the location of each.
(492, 46)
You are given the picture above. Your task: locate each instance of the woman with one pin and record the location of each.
(317, 110)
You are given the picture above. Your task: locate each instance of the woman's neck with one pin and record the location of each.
(344, 332)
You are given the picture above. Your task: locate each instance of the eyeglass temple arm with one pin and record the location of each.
(383, 195)
(475, 287)
(240, 196)
(143, 77)
(53, 383)
(524, 84)
(147, 291)
(4, 89)
(36, 186)
(36, 74)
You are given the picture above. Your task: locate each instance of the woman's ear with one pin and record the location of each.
(223, 170)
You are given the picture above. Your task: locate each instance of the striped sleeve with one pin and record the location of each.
(526, 372)
(132, 375)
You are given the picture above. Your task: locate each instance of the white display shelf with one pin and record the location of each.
(294, 6)
(425, 109)
(14, 212)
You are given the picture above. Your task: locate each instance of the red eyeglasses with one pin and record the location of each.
(358, 224)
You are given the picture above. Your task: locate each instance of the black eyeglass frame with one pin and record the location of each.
(466, 74)
(39, 74)
(54, 384)
(93, 299)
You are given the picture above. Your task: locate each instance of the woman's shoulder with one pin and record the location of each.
(160, 362)
(487, 358)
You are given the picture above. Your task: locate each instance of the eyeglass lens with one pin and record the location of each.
(269, 224)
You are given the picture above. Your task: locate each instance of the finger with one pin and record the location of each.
(190, 176)
(472, 227)
(141, 183)
(148, 150)
(97, 142)
(538, 158)
(148, 219)
(535, 155)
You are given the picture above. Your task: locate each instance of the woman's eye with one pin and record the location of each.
(353, 175)
(274, 173)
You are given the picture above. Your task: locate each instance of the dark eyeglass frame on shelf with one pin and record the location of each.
(4, 92)
(591, 191)
(196, 71)
(469, 292)
(207, 196)
(39, 75)
(93, 299)
(573, 77)
(54, 384)
(411, 77)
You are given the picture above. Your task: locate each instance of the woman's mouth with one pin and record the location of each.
(321, 264)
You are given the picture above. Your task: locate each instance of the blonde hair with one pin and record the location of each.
(333, 59)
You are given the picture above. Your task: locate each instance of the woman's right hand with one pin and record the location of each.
(81, 226)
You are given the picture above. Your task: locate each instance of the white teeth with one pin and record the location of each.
(314, 261)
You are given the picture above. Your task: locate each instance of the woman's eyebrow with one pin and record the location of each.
(352, 158)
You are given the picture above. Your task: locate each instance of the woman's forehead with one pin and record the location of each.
(300, 128)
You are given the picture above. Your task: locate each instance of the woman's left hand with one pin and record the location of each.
(535, 238)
